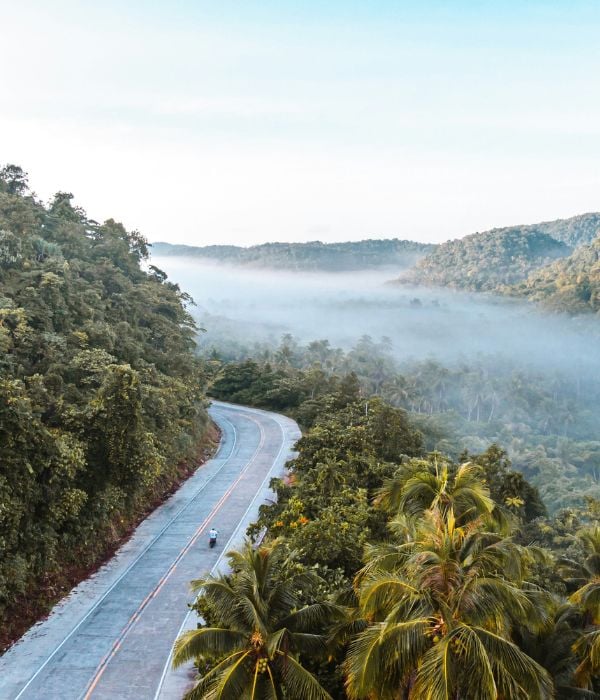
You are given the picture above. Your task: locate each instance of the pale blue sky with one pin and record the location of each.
(248, 121)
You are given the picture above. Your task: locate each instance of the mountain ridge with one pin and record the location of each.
(310, 255)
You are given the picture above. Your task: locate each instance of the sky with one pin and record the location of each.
(243, 122)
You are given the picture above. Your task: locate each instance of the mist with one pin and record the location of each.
(472, 370)
(259, 306)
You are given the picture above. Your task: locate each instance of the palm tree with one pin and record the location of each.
(440, 622)
(586, 576)
(587, 647)
(555, 646)
(423, 484)
(258, 630)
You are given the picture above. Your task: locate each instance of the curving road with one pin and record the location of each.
(112, 636)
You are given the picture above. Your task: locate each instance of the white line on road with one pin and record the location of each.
(128, 569)
(220, 559)
(87, 693)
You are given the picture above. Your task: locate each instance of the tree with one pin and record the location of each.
(440, 622)
(13, 180)
(118, 439)
(258, 630)
(100, 392)
(507, 487)
(420, 485)
(586, 576)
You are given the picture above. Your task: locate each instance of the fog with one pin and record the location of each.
(250, 306)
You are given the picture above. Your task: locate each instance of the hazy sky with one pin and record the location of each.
(240, 122)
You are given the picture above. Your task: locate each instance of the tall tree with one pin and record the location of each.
(440, 621)
(258, 630)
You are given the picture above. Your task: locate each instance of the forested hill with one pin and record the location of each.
(99, 386)
(534, 262)
(575, 231)
(332, 257)
(486, 261)
(571, 284)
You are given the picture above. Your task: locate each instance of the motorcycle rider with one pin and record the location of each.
(212, 537)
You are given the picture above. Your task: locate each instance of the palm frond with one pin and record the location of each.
(436, 677)
(206, 641)
(476, 669)
(513, 668)
(299, 683)
(364, 664)
(311, 617)
(382, 592)
(570, 692)
(232, 608)
(384, 652)
(587, 647)
(205, 684)
(232, 682)
(309, 644)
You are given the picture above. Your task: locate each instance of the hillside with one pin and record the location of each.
(575, 231)
(332, 257)
(571, 284)
(486, 261)
(100, 395)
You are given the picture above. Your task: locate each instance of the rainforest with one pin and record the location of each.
(300, 350)
(101, 394)
(437, 533)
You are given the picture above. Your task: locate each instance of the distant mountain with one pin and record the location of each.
(487, 261)
(576, 231)
(332, 257)
(571, 284)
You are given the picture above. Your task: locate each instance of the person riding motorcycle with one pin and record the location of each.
(212, 537)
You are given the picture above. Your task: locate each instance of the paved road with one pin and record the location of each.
(112, 636)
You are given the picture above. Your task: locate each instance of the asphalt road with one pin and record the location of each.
(112, 636)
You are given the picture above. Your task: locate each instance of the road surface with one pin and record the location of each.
(112, 636)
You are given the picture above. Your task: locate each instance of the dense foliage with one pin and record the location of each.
(486, 261)
(548, 423)
(257, 629)
(535, 262)
(426, 577)
(575, 231)
(571, 284)
(354, 255)
(99, 387)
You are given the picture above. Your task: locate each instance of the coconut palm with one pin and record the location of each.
(440, 623)
(586, 576)
(258, 630)
(554, 647)
(423, 484)
(587, 648)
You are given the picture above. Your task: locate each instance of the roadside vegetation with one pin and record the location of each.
(446, 512)
(547, 423)
(391, 571)
(101, 403)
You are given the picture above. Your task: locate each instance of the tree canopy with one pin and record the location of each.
(100, 391)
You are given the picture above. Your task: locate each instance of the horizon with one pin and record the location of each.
(202, 125)
(327, 277)
(362, 240)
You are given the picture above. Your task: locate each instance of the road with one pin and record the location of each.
(112, 636)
